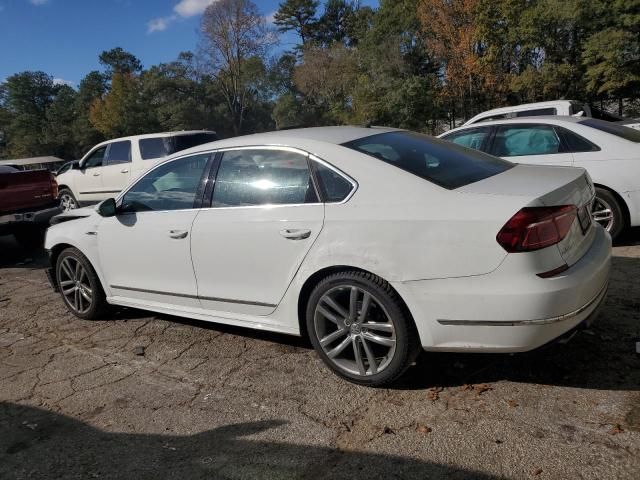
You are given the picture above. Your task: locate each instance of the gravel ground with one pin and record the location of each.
(151, 396)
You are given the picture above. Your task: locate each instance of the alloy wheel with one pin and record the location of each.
(74, 284)
(602, 213)
(67, 202)
(354, 330)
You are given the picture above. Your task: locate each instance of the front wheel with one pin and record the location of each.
(360, 328)
(608, 213)
(79, 285)
(67, 200)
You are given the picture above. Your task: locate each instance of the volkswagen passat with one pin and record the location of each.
(373, 242)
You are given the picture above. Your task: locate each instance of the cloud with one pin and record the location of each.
(183, 9)
(191, 8)
(270, 17)
(62, 81)
(159, 24)
(38, 2)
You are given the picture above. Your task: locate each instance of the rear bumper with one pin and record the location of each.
(510, 309)
(42, 217)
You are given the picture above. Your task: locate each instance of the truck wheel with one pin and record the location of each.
(67, 200)
(30, 238)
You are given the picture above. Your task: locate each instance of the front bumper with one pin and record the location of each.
(42, 217)
(510, 309)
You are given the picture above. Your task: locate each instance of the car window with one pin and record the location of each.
(171, 186)
(95, 159)
(182, 142)
(117, 152)
(576, 143)
(334, 187)
(155, 147)
(472, 138)
(263, 177)
(537, 112)
(8, 169)
(438, 161)
(612, 128)
(516, 140)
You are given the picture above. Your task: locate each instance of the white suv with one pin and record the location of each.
(109, 166)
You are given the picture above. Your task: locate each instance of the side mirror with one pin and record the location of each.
(107, 208)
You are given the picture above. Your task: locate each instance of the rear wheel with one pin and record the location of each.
(67, 200)
(360, 328)
(79, 285)
(607, 212)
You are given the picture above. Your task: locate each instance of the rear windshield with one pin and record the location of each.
(614, 129)
(158, 147)
(443, 163)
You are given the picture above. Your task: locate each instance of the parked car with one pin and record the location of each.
(609, 152)
(67, 166)
(109, 166)
(27, 203)
(374, 242)
(555, 107)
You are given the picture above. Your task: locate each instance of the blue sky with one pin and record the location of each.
(64, 37)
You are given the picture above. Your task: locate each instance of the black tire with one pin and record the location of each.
(98, 306)
(606, 199)
(30, 238)
(67, 199)
(407, 344)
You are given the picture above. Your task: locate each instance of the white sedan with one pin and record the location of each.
(608, 151)
(373, 242)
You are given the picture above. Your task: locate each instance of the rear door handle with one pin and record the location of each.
(295, 233)
(96, 174)
(178, 234)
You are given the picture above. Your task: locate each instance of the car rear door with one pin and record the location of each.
(537, 144)
(265, 214)
(116, 168)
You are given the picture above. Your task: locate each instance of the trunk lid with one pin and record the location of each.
(549, 186)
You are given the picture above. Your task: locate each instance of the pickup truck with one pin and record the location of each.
(109, 166)
(28, 200)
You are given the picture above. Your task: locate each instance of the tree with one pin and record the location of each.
(232, 33)
(298, 16)
(118, 60)
(60, 114)
(92, 87)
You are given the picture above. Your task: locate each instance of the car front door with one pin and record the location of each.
(145, 250)
(536, 144)
(265, 215)
(116, 168)
(88, 180)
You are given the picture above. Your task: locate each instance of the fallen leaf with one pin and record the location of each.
(481, 388)
(616, 429)
(512, 403)
(433, 393)
(423, 428)
(536, 472)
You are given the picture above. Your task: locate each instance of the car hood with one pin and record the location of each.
(73, 214)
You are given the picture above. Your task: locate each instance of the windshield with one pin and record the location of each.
(613, 128)
(440, 162)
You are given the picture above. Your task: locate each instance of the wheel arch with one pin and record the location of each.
(57, 249)
(621, 201)
(315, 278)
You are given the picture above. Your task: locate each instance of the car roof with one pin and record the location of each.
(554, 119)
(156, 135)
(526, 106)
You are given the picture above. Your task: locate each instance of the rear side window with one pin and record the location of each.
(497, 116)
(263, 177)
(472, 138)
(117, 152)
(537, 112)
(334, 187)
(155, 147)
(576, 143)
(612, 128)
(438, 161)
(517, 140)
(182, 142)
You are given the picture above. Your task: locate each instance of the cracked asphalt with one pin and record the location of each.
(150, 396)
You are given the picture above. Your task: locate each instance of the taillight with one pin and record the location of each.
(533, 228)
(54, 186)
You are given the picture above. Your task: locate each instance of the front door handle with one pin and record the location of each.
(295, 233)
(178, 234)
(124, 170)
(96, 174)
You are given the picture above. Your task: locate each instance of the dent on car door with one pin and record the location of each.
(145, 249)
(533, 143)
(265, 215)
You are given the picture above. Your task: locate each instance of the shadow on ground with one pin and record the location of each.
(13, 255)
(39, 444)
